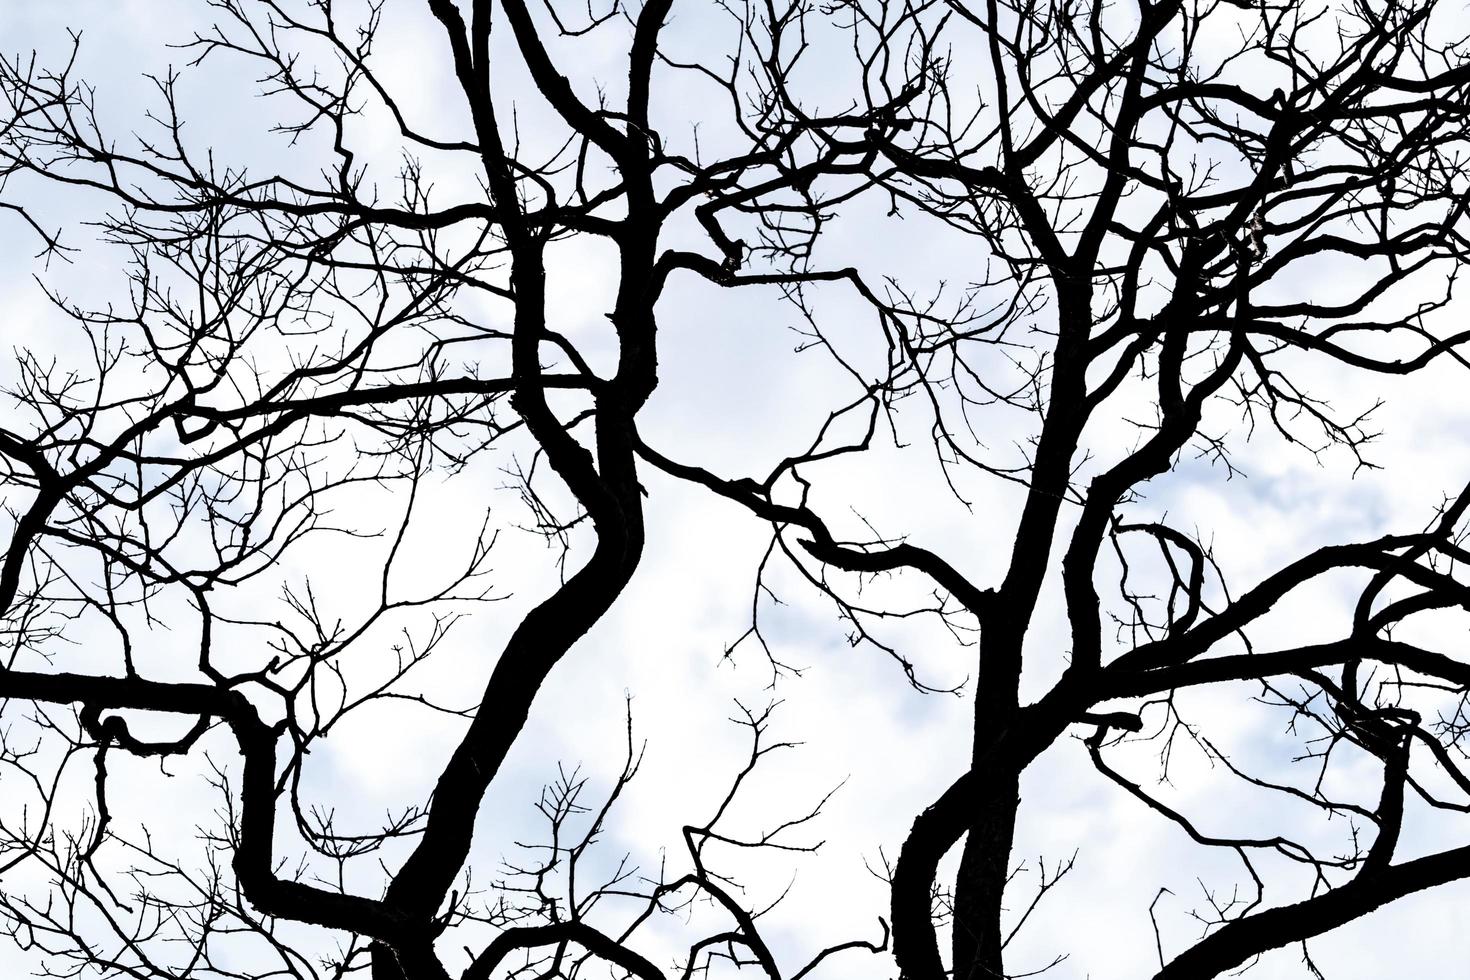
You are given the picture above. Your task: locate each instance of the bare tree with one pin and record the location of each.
(289, 343)
(1141, 190)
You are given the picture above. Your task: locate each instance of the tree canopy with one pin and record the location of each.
(361, 370)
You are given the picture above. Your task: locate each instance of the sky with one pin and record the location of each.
(735, 396)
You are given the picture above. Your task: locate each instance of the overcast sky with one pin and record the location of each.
(735, 396)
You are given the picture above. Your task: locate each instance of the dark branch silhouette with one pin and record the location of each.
(1144, 193)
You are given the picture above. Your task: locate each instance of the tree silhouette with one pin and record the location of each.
(1147, 194)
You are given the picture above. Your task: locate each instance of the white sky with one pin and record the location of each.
(734, 396)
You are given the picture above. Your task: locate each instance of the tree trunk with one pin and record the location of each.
(981, 881)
